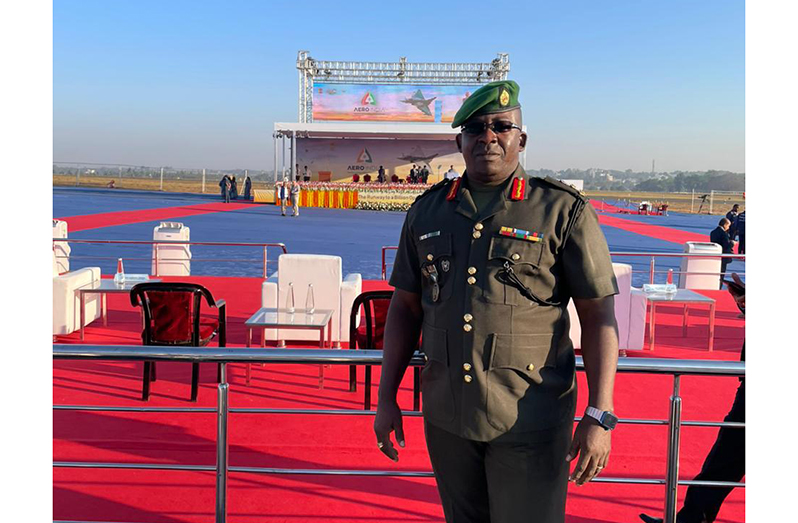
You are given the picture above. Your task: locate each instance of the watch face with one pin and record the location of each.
(609, 420)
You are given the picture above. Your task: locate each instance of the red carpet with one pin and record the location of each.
(324, 441)
(652, 231)
(109, 219)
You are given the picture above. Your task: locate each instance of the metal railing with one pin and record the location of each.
(652, 264)
(223, 356)
(155, 259)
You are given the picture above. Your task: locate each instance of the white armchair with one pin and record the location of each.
(631, 319)
(66, 302)
(330, 291)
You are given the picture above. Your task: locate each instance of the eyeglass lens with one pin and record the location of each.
(496, 127)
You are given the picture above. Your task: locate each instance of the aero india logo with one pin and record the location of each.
(368, 104)
(368, 99)
(363, 157)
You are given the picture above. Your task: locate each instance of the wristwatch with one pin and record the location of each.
(605, 418)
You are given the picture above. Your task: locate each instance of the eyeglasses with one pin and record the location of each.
(477, 128)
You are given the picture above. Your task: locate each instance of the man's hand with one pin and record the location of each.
(592, 444)
(389, 419)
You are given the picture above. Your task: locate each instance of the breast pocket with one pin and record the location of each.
(436, 264)
(523, 257)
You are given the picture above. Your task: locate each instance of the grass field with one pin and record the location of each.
(677, 202)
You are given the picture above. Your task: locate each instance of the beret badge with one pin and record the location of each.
(504, 98)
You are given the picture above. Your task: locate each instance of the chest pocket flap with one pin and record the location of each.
(430, 249)
(515, 250)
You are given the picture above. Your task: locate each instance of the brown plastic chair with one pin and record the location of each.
(370, 335)
(172, 318)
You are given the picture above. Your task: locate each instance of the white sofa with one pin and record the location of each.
(630, 313)
(330, 290)
(66, 302)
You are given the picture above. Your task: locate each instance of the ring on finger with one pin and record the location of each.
(380, 444)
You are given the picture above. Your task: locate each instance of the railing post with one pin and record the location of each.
(222, 449)
(674, 437)
(383, 263)
(651, 272)
(265, 260)
(157, 264)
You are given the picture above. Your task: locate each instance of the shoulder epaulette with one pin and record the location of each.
(558, 184)
(438, 186)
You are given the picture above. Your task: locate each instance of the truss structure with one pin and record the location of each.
(401, 72)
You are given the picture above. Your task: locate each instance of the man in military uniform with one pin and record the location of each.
(485, 268)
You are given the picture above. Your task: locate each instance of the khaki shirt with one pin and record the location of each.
(499, 358)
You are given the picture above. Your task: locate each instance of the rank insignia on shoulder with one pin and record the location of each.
(453, 189)
(522, 234)
(429, 235)
(518, 189)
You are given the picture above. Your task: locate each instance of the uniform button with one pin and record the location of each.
(515, 256)
(430, 257)
(467, 317)
(466, 367)
(478, 226)
(467, 378)
(467, 327)
(472, 270)
(471, 280)
(530, 367)
(426, 358)
(477, 234)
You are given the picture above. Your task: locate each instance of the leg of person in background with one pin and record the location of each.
(296, 207)
(282, 206)
(724, 262)
(741, 245)
(227, 196)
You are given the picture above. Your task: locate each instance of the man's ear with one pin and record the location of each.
(459, 139)
(522, 142)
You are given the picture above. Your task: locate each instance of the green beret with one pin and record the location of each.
(495, 97)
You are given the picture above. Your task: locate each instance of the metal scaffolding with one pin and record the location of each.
(401, 72)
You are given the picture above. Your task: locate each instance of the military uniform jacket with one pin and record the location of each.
(494, 288)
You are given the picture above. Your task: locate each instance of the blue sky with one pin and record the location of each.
(199, 84)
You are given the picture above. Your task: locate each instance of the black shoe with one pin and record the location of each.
(649, 519)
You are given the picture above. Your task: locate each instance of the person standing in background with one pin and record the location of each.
(740, 228)
(283, 194)
(306, 174)
(732, 217)
(248, 188)
(233, 188)
(223, 188)
(721, 236)
(295, 190)
(381, 174)
(226, 191)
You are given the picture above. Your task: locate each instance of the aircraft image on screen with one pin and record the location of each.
(418, 159)
(419, 102)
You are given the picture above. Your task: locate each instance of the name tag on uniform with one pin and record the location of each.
(521, 234)
(429, 235)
